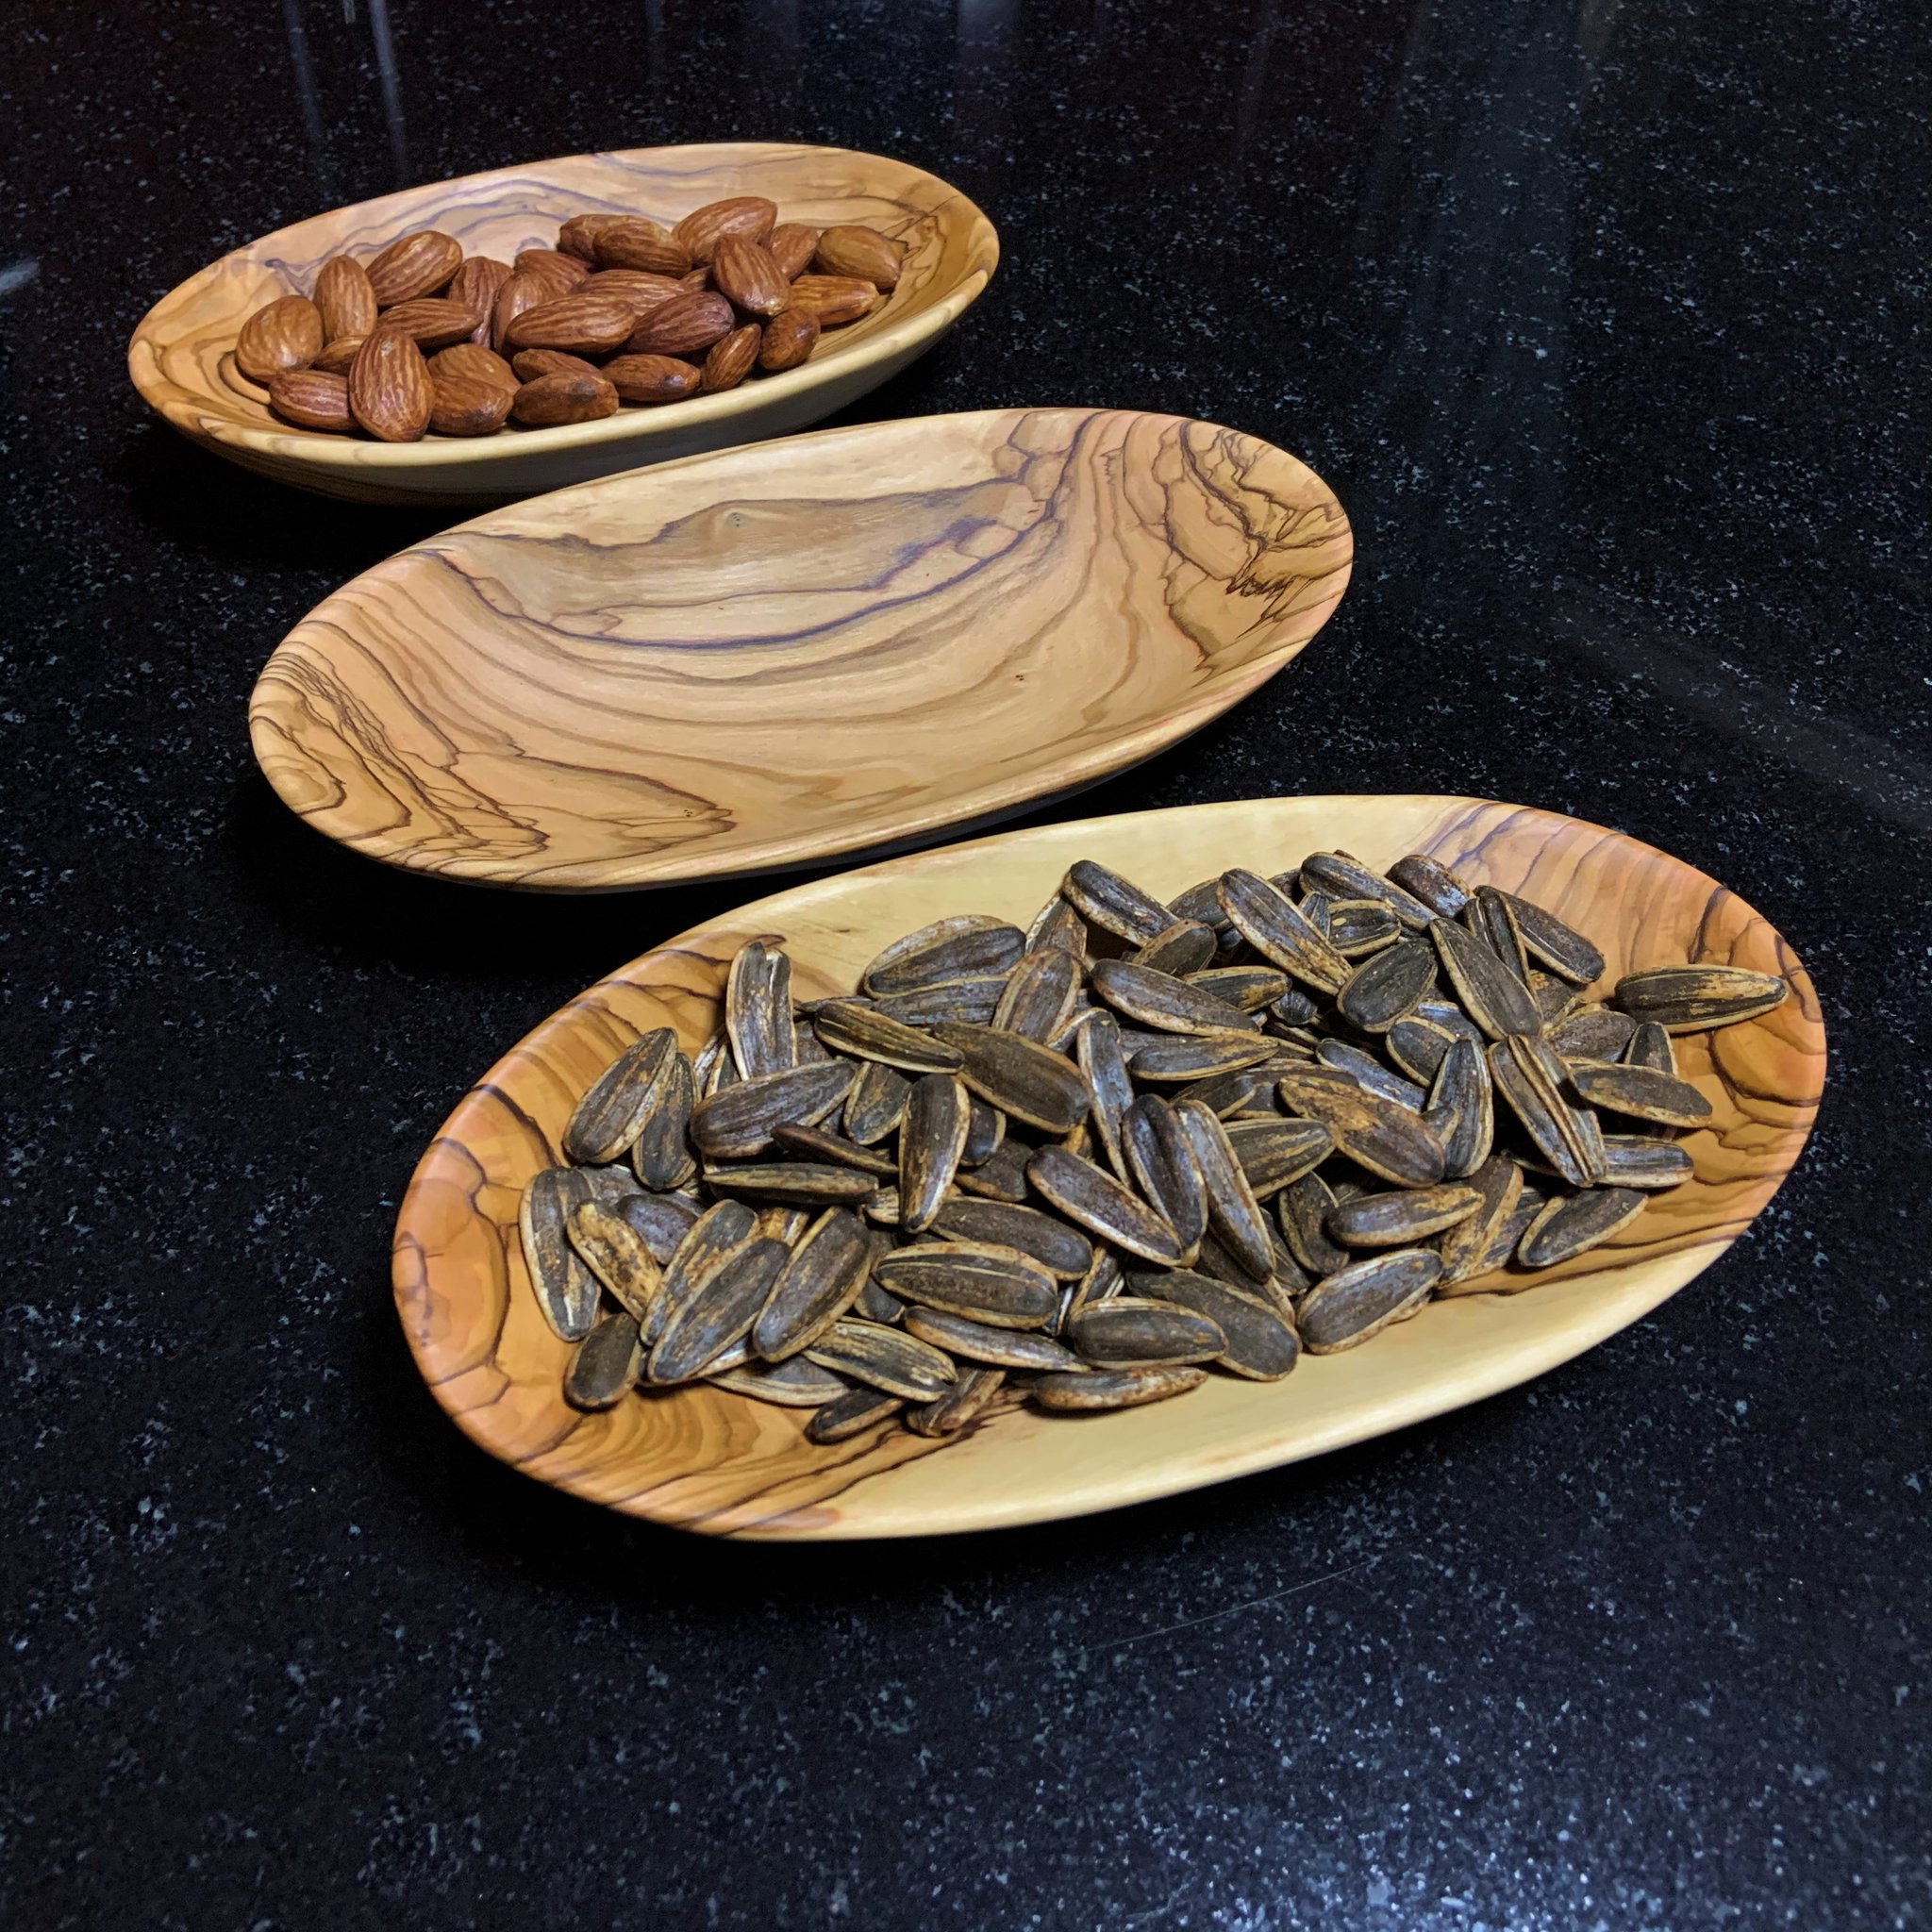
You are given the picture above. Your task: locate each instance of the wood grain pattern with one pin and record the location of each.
(181, 355)
(842, 643)
(705, 1459)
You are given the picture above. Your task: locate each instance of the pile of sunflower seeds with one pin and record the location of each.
(1091, 1160)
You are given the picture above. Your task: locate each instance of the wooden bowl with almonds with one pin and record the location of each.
(183, 357)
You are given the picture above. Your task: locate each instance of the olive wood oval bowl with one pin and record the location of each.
(181, 357)
(705, 1459)
(845, 643)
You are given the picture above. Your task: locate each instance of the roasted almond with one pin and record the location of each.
(559, 273)
(344, 298)
(463, 405)
(792, 245)
(695, 279)
(312, 400)
(633, 243)
(418, 264)
(650, 378)
(862, 252)
(789, 338)
(554, 399)
(748, 216)
(579, 236)
(745, 274)
(529, 364)
(286, 334)
(338, 356)
(834, 299)
(517, 295)
(731, 360)
(579, 324)
(389, 390)
(639, 286)
(432, 322)
(476, 285)
(474, 363)
(682, 326)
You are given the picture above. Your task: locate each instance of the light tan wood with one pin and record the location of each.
(839, 643)
(705, 1459)
(181, 357)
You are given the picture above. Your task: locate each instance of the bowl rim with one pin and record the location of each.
(961, 815)
(189, 412)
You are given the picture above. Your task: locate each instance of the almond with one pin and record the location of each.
(633, 243)
(651, 378)
(792, 245)
(730, 361)
(284, 335)
(579, 236)
(554, 399)
(747, 276)
(696, 281)
(640, 289)
(682, 325)
(310, 400)
(418, 264)
(389, 390)
(789, 338)
(532, 364)
(750, 216)
(558, 272)
(476, 285)
(473, 362)
(344, 298)
(835, 299)
(337, 356)
(582, 324)
(519, 293)
(464, 406)
(862, 252)
(433, 322)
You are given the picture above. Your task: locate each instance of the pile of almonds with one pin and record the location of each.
(623, 309)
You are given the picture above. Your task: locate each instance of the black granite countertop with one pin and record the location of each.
(1606, 321)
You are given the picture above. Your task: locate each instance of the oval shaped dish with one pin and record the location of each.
(181, 358)
(844, 643)
(702, 1458)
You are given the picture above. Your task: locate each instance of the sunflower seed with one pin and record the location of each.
(713, 1236)
(757, 1010)
(608, 1117)
(1387, 987)
(930, 1142)
(1024, 1080)
(1248, 988)
(1039, 994)
(1057, 925)
(1634, 1160)
(1492, 995)
(965, 1402)
(1400, 1219)
(998, 1286)
(1649, 1046)
(1555, 999)
(1373, 1132)
(1293, 1012)
(1272, 925)
(876, 1102)
(974, 1342)
(1488, 918)
(1429, 884)
(1187, 947)
(1369, 1074)
(1002, 1176)
(820, 1144)
(605, 1365)
(1160, 1163)
(1115, 1388)
(1529, 1077)
(883, 1358)
(1101, 1281)
(1190, 1056)
(1231, 1095)
(1061, 1250)
(566, 1291)
(865, 1033)
(1163, 1002)
(792, 1183)
(851, 1415)
(1592, 1033)
(661, 1219)
(736, 1122)
(616, 1254)
(1114, 904)
(1303, 1207)
(1451, 1020)
(962, 947)
(1131, 1331)
(1569, 1227)
(1345, 876)
(1356, 926)
(1417, 1047)
(719, 1312)
(1360, 1300)
(792, 1384)
(1554, 944)
(1274, 1152)
(1100, 1203)
(1641, 1093)
(1200, 904)
(1233, 1211)
(1462, 1092)
(661, 1155)
(1502, 1254)
(1688, 999)
(972, 1001)
(818, 1283)
(1261, 1344)
(709, 1062)
(613, 1185)
(1465, 1246)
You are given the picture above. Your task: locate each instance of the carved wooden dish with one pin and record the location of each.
(181, 355)
(705, 1459)
(839, 643)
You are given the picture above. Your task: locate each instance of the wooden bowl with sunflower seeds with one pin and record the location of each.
(796, 279)
(1090, 1163)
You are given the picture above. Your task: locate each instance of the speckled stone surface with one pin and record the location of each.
(1608, 322)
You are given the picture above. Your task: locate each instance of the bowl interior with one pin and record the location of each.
(829, 644)
(706, 1459)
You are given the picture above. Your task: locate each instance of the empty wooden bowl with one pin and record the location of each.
(842, 643)
(702, 1458)
(181, 358)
